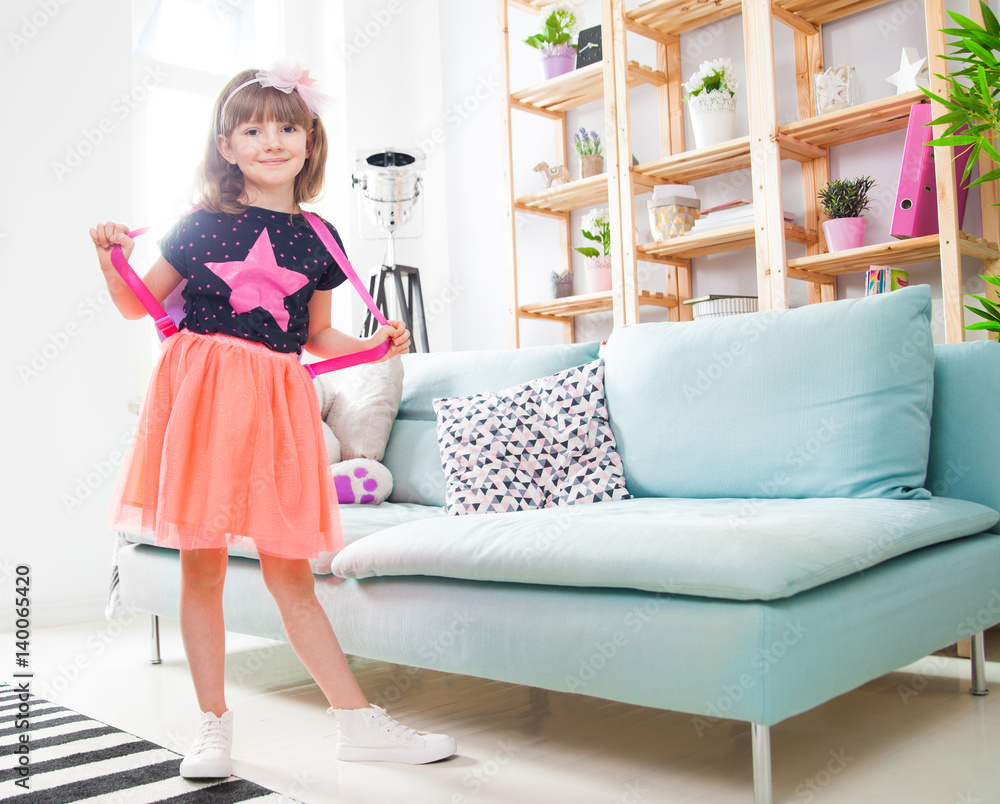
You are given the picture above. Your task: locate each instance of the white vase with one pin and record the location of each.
(713, 117)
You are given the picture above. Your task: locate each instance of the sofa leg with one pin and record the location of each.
(978, 665)
(761, 738)
(154, 622)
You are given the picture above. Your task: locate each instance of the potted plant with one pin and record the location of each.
(590, 151)
(711, 97)
(843, 201)
(596, 226)
(556, 29)
(973, 117)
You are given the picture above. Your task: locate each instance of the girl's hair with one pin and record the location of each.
(219, 184)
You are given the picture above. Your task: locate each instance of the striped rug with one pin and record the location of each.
(76, 758)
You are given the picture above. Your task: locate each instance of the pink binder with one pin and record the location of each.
(915, 213)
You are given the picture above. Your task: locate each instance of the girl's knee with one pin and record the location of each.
(287, 577)
(204, 569)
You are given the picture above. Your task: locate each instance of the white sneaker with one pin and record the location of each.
(209, 755)
(371, 734)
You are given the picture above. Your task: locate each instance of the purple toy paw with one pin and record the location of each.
(361, 481)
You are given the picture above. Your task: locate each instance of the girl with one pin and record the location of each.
(229, 445)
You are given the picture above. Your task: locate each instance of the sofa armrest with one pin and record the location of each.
(965, 432)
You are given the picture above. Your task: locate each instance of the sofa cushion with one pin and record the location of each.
(412, 452)
(543, 443)
(733, 549)
(828, 400)
(357, 522)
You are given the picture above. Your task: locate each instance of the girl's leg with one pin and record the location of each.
(290, 582)
(203, 573)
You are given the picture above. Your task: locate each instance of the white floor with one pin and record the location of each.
(910, 737)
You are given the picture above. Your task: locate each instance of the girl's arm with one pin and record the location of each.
(160, 279)
(326, 342)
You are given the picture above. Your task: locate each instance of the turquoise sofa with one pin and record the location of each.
(815, 496)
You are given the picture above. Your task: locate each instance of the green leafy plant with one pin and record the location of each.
(973, 116)
(557, 27)
(596, 226)
(990, 311)
(845, 198)
(712, 76)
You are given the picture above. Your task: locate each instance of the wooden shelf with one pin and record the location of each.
(896, 252)
(722, 158)
(827, 10)
(730, 238)
(578, 87)
(577, 194)
(600, 302)
(856, 122)
(672, 17)
(659, 18)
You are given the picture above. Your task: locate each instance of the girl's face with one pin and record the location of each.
(269, 154)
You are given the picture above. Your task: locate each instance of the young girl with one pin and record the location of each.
(229, 446)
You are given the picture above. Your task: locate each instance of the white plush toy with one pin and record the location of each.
(358, 406)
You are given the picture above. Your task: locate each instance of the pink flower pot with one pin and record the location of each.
(844, 233)
(558, 60)
(598, 273)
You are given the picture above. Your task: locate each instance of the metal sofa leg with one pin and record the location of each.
(761, 739)
(154, 622)
(978, 665)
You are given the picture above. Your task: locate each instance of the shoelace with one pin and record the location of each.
(393, 727)
(211, 737)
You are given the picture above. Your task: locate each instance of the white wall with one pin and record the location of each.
(64, 346)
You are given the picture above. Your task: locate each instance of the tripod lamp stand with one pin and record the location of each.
(389, 183)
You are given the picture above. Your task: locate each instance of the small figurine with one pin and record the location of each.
(553, 175)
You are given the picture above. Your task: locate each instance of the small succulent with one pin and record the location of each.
(846, 198)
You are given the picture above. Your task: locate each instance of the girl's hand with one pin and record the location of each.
(106, 235)
(398, 336)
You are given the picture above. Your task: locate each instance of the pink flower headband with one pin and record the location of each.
(287, 78)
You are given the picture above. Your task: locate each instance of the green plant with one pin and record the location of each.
(557, 27)
(712, 76)
(596, 226)
(990, 311)
(973, 116)
(845, 198)
(587, 144)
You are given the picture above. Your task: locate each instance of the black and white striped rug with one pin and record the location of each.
(50, 755)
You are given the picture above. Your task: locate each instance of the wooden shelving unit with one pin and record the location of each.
(806, 141)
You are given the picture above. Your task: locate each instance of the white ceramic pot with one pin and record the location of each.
(713, 118)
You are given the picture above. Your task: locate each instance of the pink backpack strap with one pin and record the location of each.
(166, 326)
(369, 355)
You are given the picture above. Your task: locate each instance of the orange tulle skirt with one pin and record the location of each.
(229, 448)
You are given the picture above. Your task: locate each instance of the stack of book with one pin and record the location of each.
(732, 213)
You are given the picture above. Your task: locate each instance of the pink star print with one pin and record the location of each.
(258, 281)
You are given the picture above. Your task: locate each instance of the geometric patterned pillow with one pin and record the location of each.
(537, 445)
